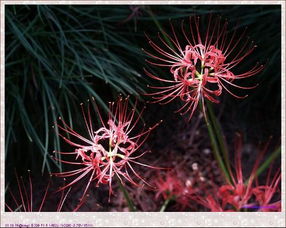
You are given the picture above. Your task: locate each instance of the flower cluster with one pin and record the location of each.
(180, 185)
(110, 150)
(243, 194)
(203, 67)
(172, 187)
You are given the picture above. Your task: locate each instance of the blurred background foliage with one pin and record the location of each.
(59, 56)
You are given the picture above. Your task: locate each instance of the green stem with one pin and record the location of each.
(165, 204)
(214, 129)
(130, 203)
(220, 137)
(215, 134)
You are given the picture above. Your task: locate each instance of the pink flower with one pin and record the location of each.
(241, 193)
(264, 194)
(238, 193)
(211, 203)
(170, 186)
(175, 186)
(110, 151)
(203, 66)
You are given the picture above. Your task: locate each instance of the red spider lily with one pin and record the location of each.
(201, 68)
(173, 187)
(170, 186)
(242, 194)
(25, 201)
(110, 150)
(265, 193)
(209, 202)
(239, 193)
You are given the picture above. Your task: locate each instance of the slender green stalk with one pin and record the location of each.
(266, 164)
(216, 149)
(130, 203)
(215, 135)
(165, 204)
(219, 136)
(214, 129)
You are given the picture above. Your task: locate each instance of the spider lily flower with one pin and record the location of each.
(202, 65)
(110, 151)
(24, 200)
(169, 187)
(265, 193)
(211, 203)
(173, 185)
(243, 193)
(240, 191)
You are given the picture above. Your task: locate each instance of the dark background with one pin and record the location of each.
(59, 56)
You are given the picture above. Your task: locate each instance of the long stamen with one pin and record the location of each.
(103, 163)
(208, 58)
